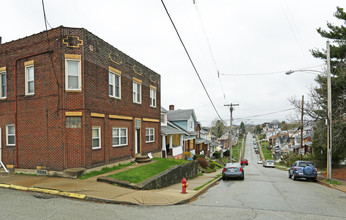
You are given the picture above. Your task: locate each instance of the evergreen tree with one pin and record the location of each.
(218, 128)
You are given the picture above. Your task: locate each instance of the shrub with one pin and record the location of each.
(212, 165)
(226, 153)
(217, 154)
(198, 156)
(202, 162)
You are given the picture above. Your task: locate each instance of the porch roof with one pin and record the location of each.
(165, 130)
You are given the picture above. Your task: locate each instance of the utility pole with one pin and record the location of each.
(329, 128)
(301, 130)
(230, 132)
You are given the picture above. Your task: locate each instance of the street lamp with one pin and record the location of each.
(329, 121)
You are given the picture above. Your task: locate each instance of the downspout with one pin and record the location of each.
(15, 97)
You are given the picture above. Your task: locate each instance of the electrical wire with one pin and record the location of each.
(270, 113)
(209, 47)
(193, 65)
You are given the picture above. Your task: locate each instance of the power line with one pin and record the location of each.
(193, 65)
(209, 47)
(270, 113)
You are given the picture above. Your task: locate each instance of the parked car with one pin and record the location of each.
(269, 163)
(259, 162)
(256, 151)
(233, 170)
(244, 162)
(303, 169)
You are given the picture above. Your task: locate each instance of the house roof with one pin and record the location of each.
(180, 115)
(169, 130)
(163, 110)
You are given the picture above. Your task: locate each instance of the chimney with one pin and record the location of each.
(171, 107)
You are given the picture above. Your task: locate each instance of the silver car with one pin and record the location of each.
(269, 163)
(233, 170)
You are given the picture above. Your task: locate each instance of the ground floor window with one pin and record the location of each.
(149, 135)
(119, 137)
(96, 137)
(10, 135)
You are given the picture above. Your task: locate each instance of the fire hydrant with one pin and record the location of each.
(184, 185)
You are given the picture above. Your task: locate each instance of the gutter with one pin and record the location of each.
(15, 96)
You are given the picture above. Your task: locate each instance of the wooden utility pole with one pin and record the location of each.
(329, 121)
(230, 132)
(301, 130)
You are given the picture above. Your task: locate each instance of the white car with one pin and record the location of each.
(259, 162)
(269, 163)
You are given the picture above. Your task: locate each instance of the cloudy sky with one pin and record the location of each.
(250, 43)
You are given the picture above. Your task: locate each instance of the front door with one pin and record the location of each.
(137, 141)
(0, 145)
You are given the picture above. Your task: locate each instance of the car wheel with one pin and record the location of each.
(314, 179)
(294, 177)
(223, 178)
(289, 175)
(242, 177)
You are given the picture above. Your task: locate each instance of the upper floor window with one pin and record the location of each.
(137, 90)
(152, 97)
(73, 75)
(10, 135)
(3, 85)
(96, 137)
(149, 135)
(114, 85)
(29, 80)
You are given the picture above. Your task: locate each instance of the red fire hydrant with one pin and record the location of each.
(184, 185)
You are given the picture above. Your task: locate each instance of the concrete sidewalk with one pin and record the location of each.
(91, 190)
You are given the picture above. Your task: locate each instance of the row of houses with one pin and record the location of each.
(69, 99)
(283, 142)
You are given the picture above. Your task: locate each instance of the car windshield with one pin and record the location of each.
(270, 161)
(304, 164)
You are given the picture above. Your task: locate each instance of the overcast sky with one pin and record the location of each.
(238, 37)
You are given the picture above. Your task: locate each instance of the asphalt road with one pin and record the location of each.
(266, 193)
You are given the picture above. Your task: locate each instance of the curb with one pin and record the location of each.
(46, 191)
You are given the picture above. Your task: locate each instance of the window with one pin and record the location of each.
(114, 85)
(149, 135)
(152, 97)
(137, 87)
(3, 85)
(73, 74)
(96, 138)
(73, 122)
(119, 137)
(29, 80)
(10, 135)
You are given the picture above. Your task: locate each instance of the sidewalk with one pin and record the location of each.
(91, 190)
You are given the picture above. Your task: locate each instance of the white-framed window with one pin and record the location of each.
(149, 135)
(29, 80)
(10, 135)
(152, 97)
(3, 85)
(96, 137)
(73, 76)
(119, 137)
(114, 85)
(137, 92)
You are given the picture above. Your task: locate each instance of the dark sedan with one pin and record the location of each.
(233, 170)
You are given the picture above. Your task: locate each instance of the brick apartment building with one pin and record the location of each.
(69, 99)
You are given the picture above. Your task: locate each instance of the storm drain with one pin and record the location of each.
(41, 172)
(43, 196)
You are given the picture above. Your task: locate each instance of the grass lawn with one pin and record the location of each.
(104, 170)
(139, 174)
(266, 153)
(236, 151)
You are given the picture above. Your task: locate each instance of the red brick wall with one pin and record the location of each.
(43, 139)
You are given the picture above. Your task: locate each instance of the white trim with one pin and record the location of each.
(1, 95)
(152, 99)
(150, 134)
(113, 84)
(27, 80)
(7, 135)
(79, 75)
(127, 136)
(135, 92)
(99, 137)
